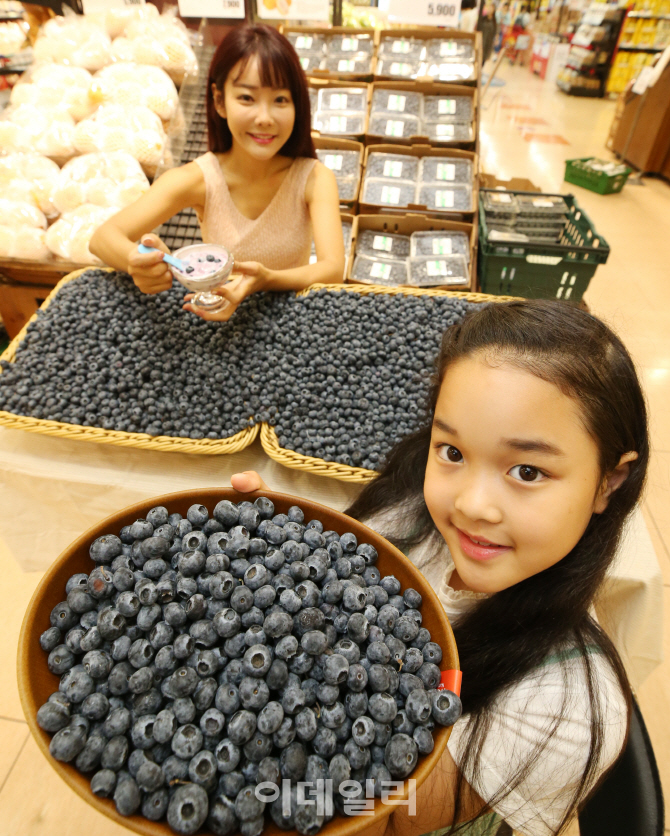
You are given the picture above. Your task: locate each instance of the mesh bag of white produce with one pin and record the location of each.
(24, 242)
(117, 19)
(136, 130)
(29, 178)
(17, 213)
(105, 178)
(163, 42)
(48, 84)
(73, 40)
(45, 130)
(70, 235)
(136, 84)
(12, 37)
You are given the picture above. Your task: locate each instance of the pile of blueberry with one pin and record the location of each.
(203, 656)
(341, 376)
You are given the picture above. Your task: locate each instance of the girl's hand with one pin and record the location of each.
(234, 291)
(248, 482)
(148, 270)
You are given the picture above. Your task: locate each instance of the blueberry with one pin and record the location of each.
(127, 796)
(187, 741)
(67, 743)
(241, 727)
(227, 755)
(103, 783)
(400, 755)
(188, 808)
(222, 820)
(202, 768)
(446, 707)
(155, 804)
(363, 731)
(53, 716)
(382, 707)
(424, 740)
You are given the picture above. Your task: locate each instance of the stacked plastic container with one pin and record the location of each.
(338, 53)
(345, 165)
(442, 184)
(422, 259)
(340, 111)
(524, 218)
(443, 59)
(399, 114)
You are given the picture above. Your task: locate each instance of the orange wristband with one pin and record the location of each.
(451, 681)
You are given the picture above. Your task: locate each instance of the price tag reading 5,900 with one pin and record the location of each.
(442, 9)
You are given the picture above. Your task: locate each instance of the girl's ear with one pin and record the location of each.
(219, 105)
(613, 481)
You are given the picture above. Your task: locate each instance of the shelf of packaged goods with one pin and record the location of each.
(648, 16)
(638, 48)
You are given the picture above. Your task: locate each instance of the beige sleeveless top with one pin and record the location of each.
(281, 236)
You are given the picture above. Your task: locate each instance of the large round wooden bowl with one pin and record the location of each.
(36, 683)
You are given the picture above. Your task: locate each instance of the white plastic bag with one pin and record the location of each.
(136, 130)
(49, 84)
(112, 179)
(46, 130)
(74, 40)
(29, 178)
(163, 42)
(69, 236)
(136, 84)
(25, 242)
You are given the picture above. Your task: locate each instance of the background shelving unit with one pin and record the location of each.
(644, 33)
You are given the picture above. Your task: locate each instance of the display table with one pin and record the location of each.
(53, 489)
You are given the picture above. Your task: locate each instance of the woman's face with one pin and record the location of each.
(260, 118)
(513, 476)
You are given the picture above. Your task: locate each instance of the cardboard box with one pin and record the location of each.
(328, 143)
(428, 88)
(333, 84)
(406, 225)
(515, 184)
(429, 33)
(424, 151)
(337, 30)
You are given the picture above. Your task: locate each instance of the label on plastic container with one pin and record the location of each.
(501, 198)
(444, 130)
(401, 46)
(380, 271)
(444, 199)
(392, 168)
(382, 242)
(338, 124)
(445, 171)
(391, 195)
(396, 102)
(436, 268)
(346, 65)
(397, 68)
(338, 101)
(349, 44)
(303, 42)
(543, 204)
(304, 62)
(449, 48)
(334, 161)
(446, 107)
(394, 128)
(442, 246)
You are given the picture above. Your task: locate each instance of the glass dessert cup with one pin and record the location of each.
(207, 266)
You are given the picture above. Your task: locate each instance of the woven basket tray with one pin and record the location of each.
(343, 472)
(164, 444)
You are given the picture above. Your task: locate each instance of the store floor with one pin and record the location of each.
(528, 130)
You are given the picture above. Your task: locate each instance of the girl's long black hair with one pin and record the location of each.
(505, 636)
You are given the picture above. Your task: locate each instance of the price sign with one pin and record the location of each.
(425, 12)
(293, 9)
(226, 9)
(95, 6)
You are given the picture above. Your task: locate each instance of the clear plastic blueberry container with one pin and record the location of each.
(396, 101)
(506, 234)
(394, 125)
(500, 206)
(446, 197)
(445, 50)
(542, 204)
(346, 235)
(447, 109)
(402, 49)
(541, 221)
(398, 67)
(344, 164)
(346, 187)
(392, 166)
(448, 131)
(440, 242)
(384, 192)
(338, 99)
(339, 124)
(307, 43)
(382, 244)
(450, 71)
(387, 271)
(359, 63)
(433, 271)
(347, 44)
(311, 61)
(445, 170)
(551, 233)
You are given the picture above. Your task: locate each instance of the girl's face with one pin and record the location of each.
(513, 476)
(260, 118)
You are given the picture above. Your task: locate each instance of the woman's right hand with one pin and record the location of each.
(248, 482)
(148, 270)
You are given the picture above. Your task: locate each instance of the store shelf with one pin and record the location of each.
(636, 48)
(648, 16)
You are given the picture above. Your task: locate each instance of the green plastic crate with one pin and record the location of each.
(542, 271)
(596, 181)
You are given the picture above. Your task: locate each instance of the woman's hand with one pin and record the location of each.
(250, 277)
(248, 482)
(148, 270)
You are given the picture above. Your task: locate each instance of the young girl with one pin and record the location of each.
(260, 191)
(512, 503)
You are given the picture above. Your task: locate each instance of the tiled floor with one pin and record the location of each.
(631, 292)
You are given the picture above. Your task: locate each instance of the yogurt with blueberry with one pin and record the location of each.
(206, 264)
